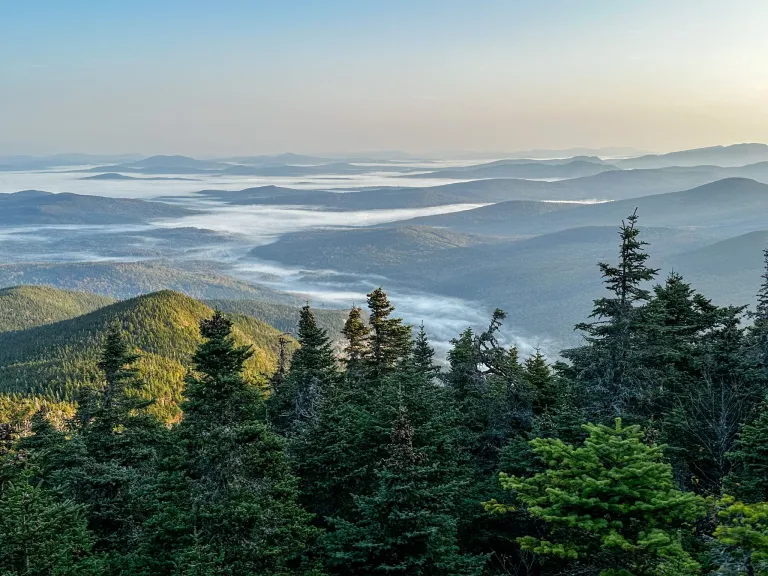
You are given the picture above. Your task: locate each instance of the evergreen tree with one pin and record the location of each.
(406, 526)
(313, 372)
(41, 535)
(541, 381)
(609, 505)
(241, 495)
(744, 529)
(390, 339)
(424, 354)
(749, 478)
(357, 335)
(610, 366)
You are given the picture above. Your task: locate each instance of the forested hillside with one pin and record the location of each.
(23, 307)
(57, 360)
(639, 452)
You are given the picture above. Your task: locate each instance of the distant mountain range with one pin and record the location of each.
(735, 155)
(36, 207)
(116, 176)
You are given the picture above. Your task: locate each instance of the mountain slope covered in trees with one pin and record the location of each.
(57, 360)
(23, 307)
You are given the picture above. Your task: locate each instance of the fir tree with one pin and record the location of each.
(542, 382)
(609, 505)
(242, 497)
(749, 478)
(41, 535)
(407, 525)
(313, 372)
(610, 365)
(424, 354)
(357, 335)
(744, 529)
(390, 339)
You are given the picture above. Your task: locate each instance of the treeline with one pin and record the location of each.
(643, 452)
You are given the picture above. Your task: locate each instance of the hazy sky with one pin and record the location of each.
(221, 77)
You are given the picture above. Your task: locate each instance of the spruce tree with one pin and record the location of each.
(390, 339)
(542, 382)
(610, 365)
(407, 525)
(610, 505)
(357, 335)
(42, 534)
(424, 354)
(312, 373)
(748, 479)
(241, 495)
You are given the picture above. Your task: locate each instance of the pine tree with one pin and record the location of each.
(610, 505)
(241, 495)
(357, 335)
(313, 372)
(609, 366)
(424, 354)
(406, 526)
(41, 535)
(390, 339)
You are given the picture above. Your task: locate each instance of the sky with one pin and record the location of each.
(323, 76)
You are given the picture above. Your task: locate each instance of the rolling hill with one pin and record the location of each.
(23, 307)
(282, 316)
(546, 283)
(365, 250)
(31, 207)
(491, 220)
(129, 279)
(728, 206)
(55, 360)
(728, 271)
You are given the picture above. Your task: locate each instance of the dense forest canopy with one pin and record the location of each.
(158, 436)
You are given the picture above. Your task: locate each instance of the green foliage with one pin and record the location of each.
(406, 526)
(744, 527)
(283, 316)
(608, 366)
(43, 535)
(238, 499)
(610, 503)
(389, 340)
(313, 372)
(357, 336)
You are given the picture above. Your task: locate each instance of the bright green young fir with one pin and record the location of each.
(610, 505)
(744, 529)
